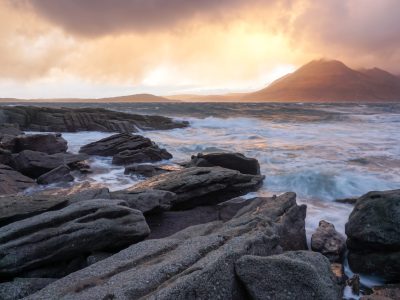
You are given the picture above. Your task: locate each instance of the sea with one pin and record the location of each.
(322, 152)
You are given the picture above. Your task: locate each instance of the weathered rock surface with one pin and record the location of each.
(127, 148)
(327, 241)
(147, 201)
(82, 119)
(59, 174)
(228, 209)
(202, 186)
(47, 143)
(386, 292)
(233, 161)
(150, 170)
(12, 181)
(10, 129)
(373, 232)
(22, 287)
(57, 236)
(288, 276)
(196, 263)
(35, 164)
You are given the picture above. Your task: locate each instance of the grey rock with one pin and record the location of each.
(287, 276)
(327, 241)
(202, 186)
(228, 209)
(373, 235)
(6, 157)
(96, 257)
(12, 182)
(10, 129)
(35, 164)
(147, 201)
(57, 236)
(234, 161)
(385, 292)
(196, 263)
(149, 154)
(82, 119)
(147, 170)
(59, 174)
(22, 287)
(46, 143)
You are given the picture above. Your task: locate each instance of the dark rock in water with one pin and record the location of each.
(10, 129)
(126, 149)
(46, 143)
(147, 201)
(150, 170)
(327, 241)
(288, 276)
(149, 154)
(59, 174)
(373, 235)
(233, 161)
(35, 164)
(22, 287)
(12, 181)
(347, 200)
(82, 119)
(385, 292)
(57, 236)
(196, 263)
(202, 186)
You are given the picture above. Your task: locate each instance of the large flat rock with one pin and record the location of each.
(196, 263)
(201, 186)
(56, 236)
(82, 119)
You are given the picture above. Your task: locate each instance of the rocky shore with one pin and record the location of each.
(185, 232)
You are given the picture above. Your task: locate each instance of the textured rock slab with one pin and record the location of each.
(287, 276)
(196, 263)
(202, 186)
(47, 143)
(60, 235)
(22, 287)
(59, 174)
(82, 119)
(234, 161)
(35, 164)
(327, 241)
(373, 232)
(145, 155)
(12, 182)
(148, 170)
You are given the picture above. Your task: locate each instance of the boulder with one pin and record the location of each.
(49, 119)
(287, 276)
(35, 164)
(59, 174)
(58, 236)
(234, 161)
(196, 263)
(46, 143)
(22, 287)
(12, 181)
(149, 154)
(327, 241)
(201, 186)
(373, 235)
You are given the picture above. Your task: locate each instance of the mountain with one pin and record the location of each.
(331, 81)
(140, 98)
(233, 97)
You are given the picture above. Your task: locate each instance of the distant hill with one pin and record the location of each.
(233, 97)
(331, 80)
(140, 98)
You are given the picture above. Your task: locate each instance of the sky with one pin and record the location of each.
(102, 48)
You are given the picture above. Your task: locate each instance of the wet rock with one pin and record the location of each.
(22, 287)
(385, 292)
(56, 236)
(82, 119)
(373, 232)
(233, 161)
(59, 174)
(338, 271)
(35, 164)
(12, 181)
(196, 263)
(149, 154)
(291, 275)
(150, 170)
(46, 143)
(202, 186)
(147, 201)
(354, 284)
(327, 241)
(347, 200)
